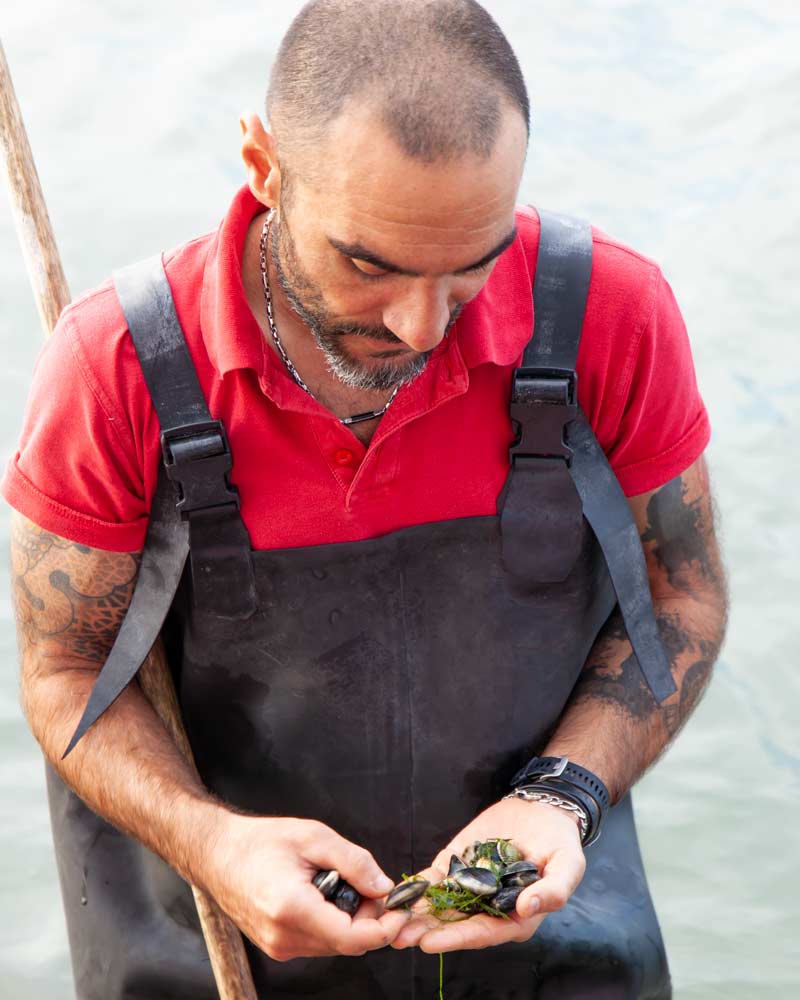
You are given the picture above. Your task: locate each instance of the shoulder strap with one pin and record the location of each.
(552, 431)
(195, 509)
(195, 449)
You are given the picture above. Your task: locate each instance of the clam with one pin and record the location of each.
(406, 893)
(479, 881)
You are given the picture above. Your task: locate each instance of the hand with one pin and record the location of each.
(259, 870)
(547, 836)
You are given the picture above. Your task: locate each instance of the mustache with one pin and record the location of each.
(383, 334)
(380, 333)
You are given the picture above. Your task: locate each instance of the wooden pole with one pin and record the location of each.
(222, 937)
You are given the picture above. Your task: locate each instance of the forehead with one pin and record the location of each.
(370, 191)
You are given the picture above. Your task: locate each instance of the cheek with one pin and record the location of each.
(355, 298)
(465, 288)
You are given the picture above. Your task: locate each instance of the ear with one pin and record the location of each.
(260, 156)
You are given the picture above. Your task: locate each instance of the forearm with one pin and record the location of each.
(126, 768)
(613, 724)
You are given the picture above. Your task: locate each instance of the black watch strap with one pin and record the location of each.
(540, 769)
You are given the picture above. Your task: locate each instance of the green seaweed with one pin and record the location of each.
(445, 898)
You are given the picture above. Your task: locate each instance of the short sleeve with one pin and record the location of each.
(78, 470)
(663, 426)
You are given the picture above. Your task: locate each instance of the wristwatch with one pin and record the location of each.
(567, 781)
(560, 768)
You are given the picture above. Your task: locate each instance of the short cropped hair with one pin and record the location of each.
(436, 71)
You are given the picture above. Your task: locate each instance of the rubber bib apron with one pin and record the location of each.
(390, 688)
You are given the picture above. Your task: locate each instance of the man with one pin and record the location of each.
(412, 621)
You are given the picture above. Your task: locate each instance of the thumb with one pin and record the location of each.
(354, 864)
(562, 874)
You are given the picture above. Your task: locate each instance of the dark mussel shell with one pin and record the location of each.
(406, 893)
(521, 873)
(347, 899)
(456, 864)
(506, 899)
(327, 882)
(479, 881)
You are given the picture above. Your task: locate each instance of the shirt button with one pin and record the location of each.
(343, 457)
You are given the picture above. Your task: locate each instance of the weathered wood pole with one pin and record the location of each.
(222, 937)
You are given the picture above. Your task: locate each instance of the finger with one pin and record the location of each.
(421, 919)
(562, 875)
(480, 931)
(327, 926)
(420, 924)
(326, 849)
(392, 921)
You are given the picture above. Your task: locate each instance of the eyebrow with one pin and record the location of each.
(358, 252)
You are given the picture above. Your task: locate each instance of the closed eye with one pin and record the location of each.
(367, 270)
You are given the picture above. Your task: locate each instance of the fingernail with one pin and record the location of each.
(533, 907)
(383, 885)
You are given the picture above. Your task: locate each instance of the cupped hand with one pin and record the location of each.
(259, 869)
(547, 836)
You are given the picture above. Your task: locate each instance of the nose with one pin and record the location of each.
(419, 317)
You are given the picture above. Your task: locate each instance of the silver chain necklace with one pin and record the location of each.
(357, 418)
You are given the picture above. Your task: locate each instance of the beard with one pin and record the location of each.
(308, 302)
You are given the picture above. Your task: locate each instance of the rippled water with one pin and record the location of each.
(675, 127)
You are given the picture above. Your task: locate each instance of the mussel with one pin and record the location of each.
(479, 881)
(406, 893)
(520, 873)
(509, 853)
(347, 899)
(506, 899)
(456, 864)
(327, 882)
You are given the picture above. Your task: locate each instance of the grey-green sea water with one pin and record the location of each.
(675, 127)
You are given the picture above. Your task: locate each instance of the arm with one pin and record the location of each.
(70, 601)
(612, 724)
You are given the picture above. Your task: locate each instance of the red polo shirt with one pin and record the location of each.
(89, 451)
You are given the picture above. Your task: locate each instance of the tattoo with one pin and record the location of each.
(617, 680)
(680, 530)
(622, 683)
(67, 593)
(695, 682)
(613, 717)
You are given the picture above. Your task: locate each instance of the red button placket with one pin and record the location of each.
(341, 451)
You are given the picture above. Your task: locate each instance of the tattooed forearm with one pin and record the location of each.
(613, 721)
(679, 533)
(70, 601)
(68, 598)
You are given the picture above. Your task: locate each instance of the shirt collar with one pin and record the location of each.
(492, 329)
(231, 334)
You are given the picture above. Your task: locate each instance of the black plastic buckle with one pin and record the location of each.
(543, 402)
(198, 459)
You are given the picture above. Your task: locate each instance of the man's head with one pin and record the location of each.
(399, 130)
